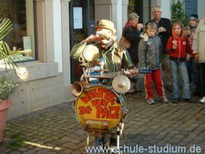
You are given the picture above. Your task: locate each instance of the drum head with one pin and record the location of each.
(91, 53)
(97, 109)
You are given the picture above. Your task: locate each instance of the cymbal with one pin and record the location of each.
(121, 84)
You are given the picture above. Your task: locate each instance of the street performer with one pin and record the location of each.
(105, 40)
(115, 58)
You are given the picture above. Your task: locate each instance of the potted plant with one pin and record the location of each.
(7, 86)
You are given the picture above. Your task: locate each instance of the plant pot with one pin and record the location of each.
(4, 106)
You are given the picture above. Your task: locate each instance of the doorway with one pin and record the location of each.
(82, 24)
(142, 8)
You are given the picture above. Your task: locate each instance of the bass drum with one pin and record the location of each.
(97, 109)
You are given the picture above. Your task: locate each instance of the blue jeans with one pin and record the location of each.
(180, 67)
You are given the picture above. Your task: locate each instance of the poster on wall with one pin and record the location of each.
(78, 17)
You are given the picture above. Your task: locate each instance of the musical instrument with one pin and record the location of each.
(145, 70)
(97, 109)
(121, 84)
(100, 106)
(90, 53)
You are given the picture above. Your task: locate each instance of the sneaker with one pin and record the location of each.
(150, 101)
(164, 100)
(202, 100)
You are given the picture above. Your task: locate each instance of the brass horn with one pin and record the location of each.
(77, 88)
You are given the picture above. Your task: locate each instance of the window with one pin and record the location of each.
(22, 36)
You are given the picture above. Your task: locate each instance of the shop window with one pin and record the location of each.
(22, 36)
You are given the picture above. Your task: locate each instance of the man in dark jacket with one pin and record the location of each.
(164, 31)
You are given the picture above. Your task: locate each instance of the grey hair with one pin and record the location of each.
(156, 7)
(133, 15)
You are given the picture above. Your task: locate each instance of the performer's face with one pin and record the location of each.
(104, 37)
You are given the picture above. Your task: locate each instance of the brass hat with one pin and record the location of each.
(107, 24)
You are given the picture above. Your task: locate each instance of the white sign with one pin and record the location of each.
(78, 17)
(26, 42)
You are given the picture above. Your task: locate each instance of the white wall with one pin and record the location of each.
(57, 34)
(166, 10)
(119, 25)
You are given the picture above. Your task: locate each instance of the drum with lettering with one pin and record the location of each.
(97, 109)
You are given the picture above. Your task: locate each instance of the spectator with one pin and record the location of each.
(192, 63)
(164, 32)
(131, 32)
(199, 51)
(150, 49)
(177, 47)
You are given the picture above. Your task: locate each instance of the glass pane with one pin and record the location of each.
(22, 35)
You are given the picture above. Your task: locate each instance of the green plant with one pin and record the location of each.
(5, 52)
(178, 13)
(7, 86)
(16, 141)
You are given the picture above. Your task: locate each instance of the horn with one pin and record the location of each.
(121, 84)
(77, 88)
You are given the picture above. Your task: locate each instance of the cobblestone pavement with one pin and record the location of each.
(55, 130)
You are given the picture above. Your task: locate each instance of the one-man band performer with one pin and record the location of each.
(115, 58)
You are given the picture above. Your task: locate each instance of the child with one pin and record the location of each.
(177, 47)
(150, 48)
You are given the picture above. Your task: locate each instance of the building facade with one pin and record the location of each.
(53, 27)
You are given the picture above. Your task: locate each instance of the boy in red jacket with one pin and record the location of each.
(177, 47)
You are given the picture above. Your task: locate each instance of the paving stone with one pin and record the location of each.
(15, 152)
(146, 125)
(67, 151)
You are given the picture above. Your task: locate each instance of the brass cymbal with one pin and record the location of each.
(121, 84)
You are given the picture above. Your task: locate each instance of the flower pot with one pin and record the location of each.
(4, 106)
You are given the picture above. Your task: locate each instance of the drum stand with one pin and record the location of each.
(88, 140)
(113, 149)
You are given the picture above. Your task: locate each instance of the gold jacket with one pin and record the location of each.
(115, 57)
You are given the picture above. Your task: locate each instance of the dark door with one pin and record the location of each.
(142, 8)
(82, 24)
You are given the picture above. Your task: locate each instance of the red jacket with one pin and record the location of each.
(183, 46)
